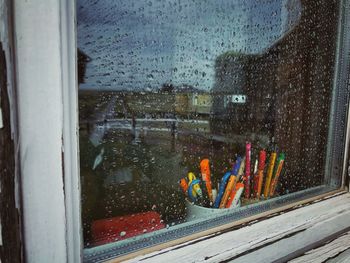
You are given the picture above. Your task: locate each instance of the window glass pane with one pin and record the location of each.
(196, 109)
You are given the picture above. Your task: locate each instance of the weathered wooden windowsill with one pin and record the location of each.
(279, 238)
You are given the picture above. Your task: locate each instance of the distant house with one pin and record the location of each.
(193, 102)
(201, 103)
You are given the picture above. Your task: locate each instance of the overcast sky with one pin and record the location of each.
(140, 45)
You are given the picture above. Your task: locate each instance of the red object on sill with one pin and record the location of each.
(118, 228)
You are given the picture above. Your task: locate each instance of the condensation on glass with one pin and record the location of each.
(169, 88)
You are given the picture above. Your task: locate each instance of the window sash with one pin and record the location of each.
(337, 150)
(46, 241)
(335, 166)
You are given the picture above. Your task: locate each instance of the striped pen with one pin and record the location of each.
(269, 174)
(248, 147)
(261, 167)
(279, 166)
(206, 176)
(235, 196)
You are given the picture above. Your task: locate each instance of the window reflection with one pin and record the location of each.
(165, 85)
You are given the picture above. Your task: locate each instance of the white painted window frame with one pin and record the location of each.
(45, 52)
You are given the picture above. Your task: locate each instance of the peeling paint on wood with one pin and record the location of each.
(344, 257)
(326, 252)
(38, 50)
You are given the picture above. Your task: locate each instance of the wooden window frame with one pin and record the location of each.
(45, 52)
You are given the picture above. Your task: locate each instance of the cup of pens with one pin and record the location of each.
(237, 186)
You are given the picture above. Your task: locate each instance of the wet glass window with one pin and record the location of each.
(200, 111)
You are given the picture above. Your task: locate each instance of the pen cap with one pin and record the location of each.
(205, 169)
(184, 185)
(248, 146)
(262, 159)
(225, 178)
(237, 165)
(281, 156)
(191, 177)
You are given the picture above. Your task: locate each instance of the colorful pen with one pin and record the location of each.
(255, 178)
(196, 189)
(280, 163)
(205, 171)
(269, 174)
(192, 194)
(261, 167)
(231, 182)
(235, 196)
(241, 170)
(215, 194)
(247, 169)
(183, 185)
(222, 187)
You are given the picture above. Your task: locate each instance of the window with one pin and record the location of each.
(169, 90)
(50, 187)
